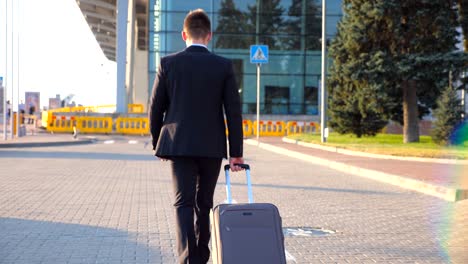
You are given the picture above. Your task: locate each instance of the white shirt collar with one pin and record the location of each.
(199, 45)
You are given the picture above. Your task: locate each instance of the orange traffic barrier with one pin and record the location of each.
(293, 127)
(61, 123)
(270, 128)
(247, 127)
(311, 128)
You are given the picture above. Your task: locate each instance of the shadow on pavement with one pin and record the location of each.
(73, 155)
(28, 241)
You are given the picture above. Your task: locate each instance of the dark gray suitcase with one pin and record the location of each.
(246, 233)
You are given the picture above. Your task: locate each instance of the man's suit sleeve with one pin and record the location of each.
(232, 108)
(158, 104)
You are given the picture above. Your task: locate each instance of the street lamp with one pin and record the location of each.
(324, 74)
(6, 75)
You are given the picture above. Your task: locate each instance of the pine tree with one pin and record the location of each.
(463, 14)
(271, 23)
(427, 32)
(448, 116)
(357, 103)
(405, 49)
(231, 27)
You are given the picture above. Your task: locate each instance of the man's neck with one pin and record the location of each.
(190, 42)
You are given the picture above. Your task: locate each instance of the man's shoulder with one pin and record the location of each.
(180, 55)
(221, 58)
(172, 55)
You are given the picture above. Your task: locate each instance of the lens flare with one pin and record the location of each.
(459, 136)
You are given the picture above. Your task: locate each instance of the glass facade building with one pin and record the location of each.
(291, 29)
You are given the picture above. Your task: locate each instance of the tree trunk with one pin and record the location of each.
(410, 112)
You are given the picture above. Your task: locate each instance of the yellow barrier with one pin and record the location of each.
(135, 108)
(294, 127)
(311, 128)
(278, 128)
(84, 124)
(21, 120)
(247, 127)
(132, 108)
(270, 128)
(61, 123)
(132, 125)
(95, 125)
(46, 116)
(140, 125)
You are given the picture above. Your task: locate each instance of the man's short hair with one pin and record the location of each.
(197, 24)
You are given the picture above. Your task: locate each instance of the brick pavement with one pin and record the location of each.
(438, 173)
(45, 139)
(446, 180)
(111, 203)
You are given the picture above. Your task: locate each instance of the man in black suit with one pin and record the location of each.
(187, 126)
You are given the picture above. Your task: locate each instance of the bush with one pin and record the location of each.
(448, 117)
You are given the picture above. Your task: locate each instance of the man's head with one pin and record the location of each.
(197, 27)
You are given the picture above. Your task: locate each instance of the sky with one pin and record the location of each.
(58, 53)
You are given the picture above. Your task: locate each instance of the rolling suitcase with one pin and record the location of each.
(246, 233)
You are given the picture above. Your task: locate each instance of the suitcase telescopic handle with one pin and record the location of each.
(246, 167)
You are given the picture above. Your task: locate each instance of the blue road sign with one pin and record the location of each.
(258, 54)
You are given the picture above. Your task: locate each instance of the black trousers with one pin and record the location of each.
(194, 180)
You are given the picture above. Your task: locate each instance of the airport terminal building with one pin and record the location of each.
(290, 80)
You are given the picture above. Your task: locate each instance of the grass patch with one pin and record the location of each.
(388, 144)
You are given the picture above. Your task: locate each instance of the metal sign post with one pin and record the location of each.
(258, 55)
(12, 70)
(5, 122)
(258, 101)
(18, 113)
(323, 96)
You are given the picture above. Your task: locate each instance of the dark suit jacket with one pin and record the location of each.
(186, 109)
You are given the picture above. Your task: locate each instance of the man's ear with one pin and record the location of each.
(209, 36)
(184, 35)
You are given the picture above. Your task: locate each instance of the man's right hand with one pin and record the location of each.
(236, 160)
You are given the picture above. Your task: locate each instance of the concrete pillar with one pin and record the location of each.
(132, 32)
(122, 20)
(137, 63)
(140, 78)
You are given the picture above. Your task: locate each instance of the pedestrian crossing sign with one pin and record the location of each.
(258, 54)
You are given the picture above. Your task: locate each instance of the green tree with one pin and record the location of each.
(271, 24)
(426, 33)
(448, 116)
(463, 14)
(357, 101)
(304, 24)
(407, 53)
(231, 27)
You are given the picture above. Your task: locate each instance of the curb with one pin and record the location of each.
(445, 193)
(46, 144)
(372, 155)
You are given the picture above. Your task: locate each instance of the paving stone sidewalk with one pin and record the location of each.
(112, 203)
(444, 175)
